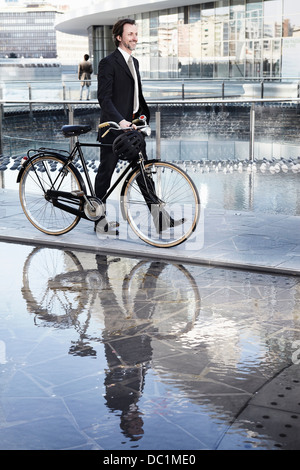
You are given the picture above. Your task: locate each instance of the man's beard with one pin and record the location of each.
(131, 46)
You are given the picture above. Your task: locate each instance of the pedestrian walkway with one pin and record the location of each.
(239, 240)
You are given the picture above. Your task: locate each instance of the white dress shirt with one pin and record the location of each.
(136, 85)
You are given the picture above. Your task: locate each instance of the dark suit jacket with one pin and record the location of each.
(116, 89)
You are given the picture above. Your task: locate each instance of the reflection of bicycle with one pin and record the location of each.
(56, 305)
(61, 293)
(158, 199)
(165, 293)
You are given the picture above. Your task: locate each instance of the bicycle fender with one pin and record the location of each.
(27, 160)
(23, 166)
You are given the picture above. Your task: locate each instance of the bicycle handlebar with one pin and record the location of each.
(144, 128)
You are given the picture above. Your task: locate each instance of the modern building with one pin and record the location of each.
(179, 38)
(27, 32)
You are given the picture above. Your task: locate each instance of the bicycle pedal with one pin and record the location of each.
(77, 193)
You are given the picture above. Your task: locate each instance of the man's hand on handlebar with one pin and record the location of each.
(124, 124)
(138, 124)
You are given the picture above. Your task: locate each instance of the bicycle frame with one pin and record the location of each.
(77, 148)
(53, 195)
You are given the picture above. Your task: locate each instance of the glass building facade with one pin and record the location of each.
(220, 39)
(28, 33)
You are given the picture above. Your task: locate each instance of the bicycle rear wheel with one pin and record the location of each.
(47, 172)
(175, 199)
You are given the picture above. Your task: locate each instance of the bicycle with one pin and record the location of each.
(54, 195)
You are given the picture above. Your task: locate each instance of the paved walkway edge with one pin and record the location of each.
(227, 239)
(114, 250)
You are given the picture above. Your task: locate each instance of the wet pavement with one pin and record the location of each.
(230, 238)
(113, 345)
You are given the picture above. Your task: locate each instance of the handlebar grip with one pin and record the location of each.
(104, 124)
(142, 120)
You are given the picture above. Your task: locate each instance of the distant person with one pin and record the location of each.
(85, 70)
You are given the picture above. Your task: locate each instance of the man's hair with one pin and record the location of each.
(86, 56)
(118, 29)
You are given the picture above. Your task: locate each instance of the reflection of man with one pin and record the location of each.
(127, 355)
(85, 70)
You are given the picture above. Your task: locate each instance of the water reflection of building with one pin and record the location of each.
(225, 38)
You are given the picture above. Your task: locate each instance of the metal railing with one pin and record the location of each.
(70, 105)
(260, 87)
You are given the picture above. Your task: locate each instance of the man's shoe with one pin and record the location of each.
(175, 223)
(104, 227)
(110, 225)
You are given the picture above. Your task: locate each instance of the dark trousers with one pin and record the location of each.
(108, 163)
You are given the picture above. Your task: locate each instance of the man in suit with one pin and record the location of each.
(121, 100)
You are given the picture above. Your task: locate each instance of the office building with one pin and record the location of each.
(28, 31)
(220, 39)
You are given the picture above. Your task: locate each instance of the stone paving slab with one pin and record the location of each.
(244, 240)
(274, 412)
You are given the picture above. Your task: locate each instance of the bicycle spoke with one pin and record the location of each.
(152, 208)
(45, 173)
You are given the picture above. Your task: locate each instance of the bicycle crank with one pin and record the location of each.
(93, 208)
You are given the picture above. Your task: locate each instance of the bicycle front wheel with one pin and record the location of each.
(43, 173)
(169, 214)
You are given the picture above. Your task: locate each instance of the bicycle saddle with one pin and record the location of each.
(71, 130)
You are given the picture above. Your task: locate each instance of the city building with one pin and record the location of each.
(27, 32)
(186, 39)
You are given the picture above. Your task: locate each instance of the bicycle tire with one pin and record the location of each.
(150, 286)
(48, 172)
(48, 293)
(179, 199)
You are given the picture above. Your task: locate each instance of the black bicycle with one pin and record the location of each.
(158, 199)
